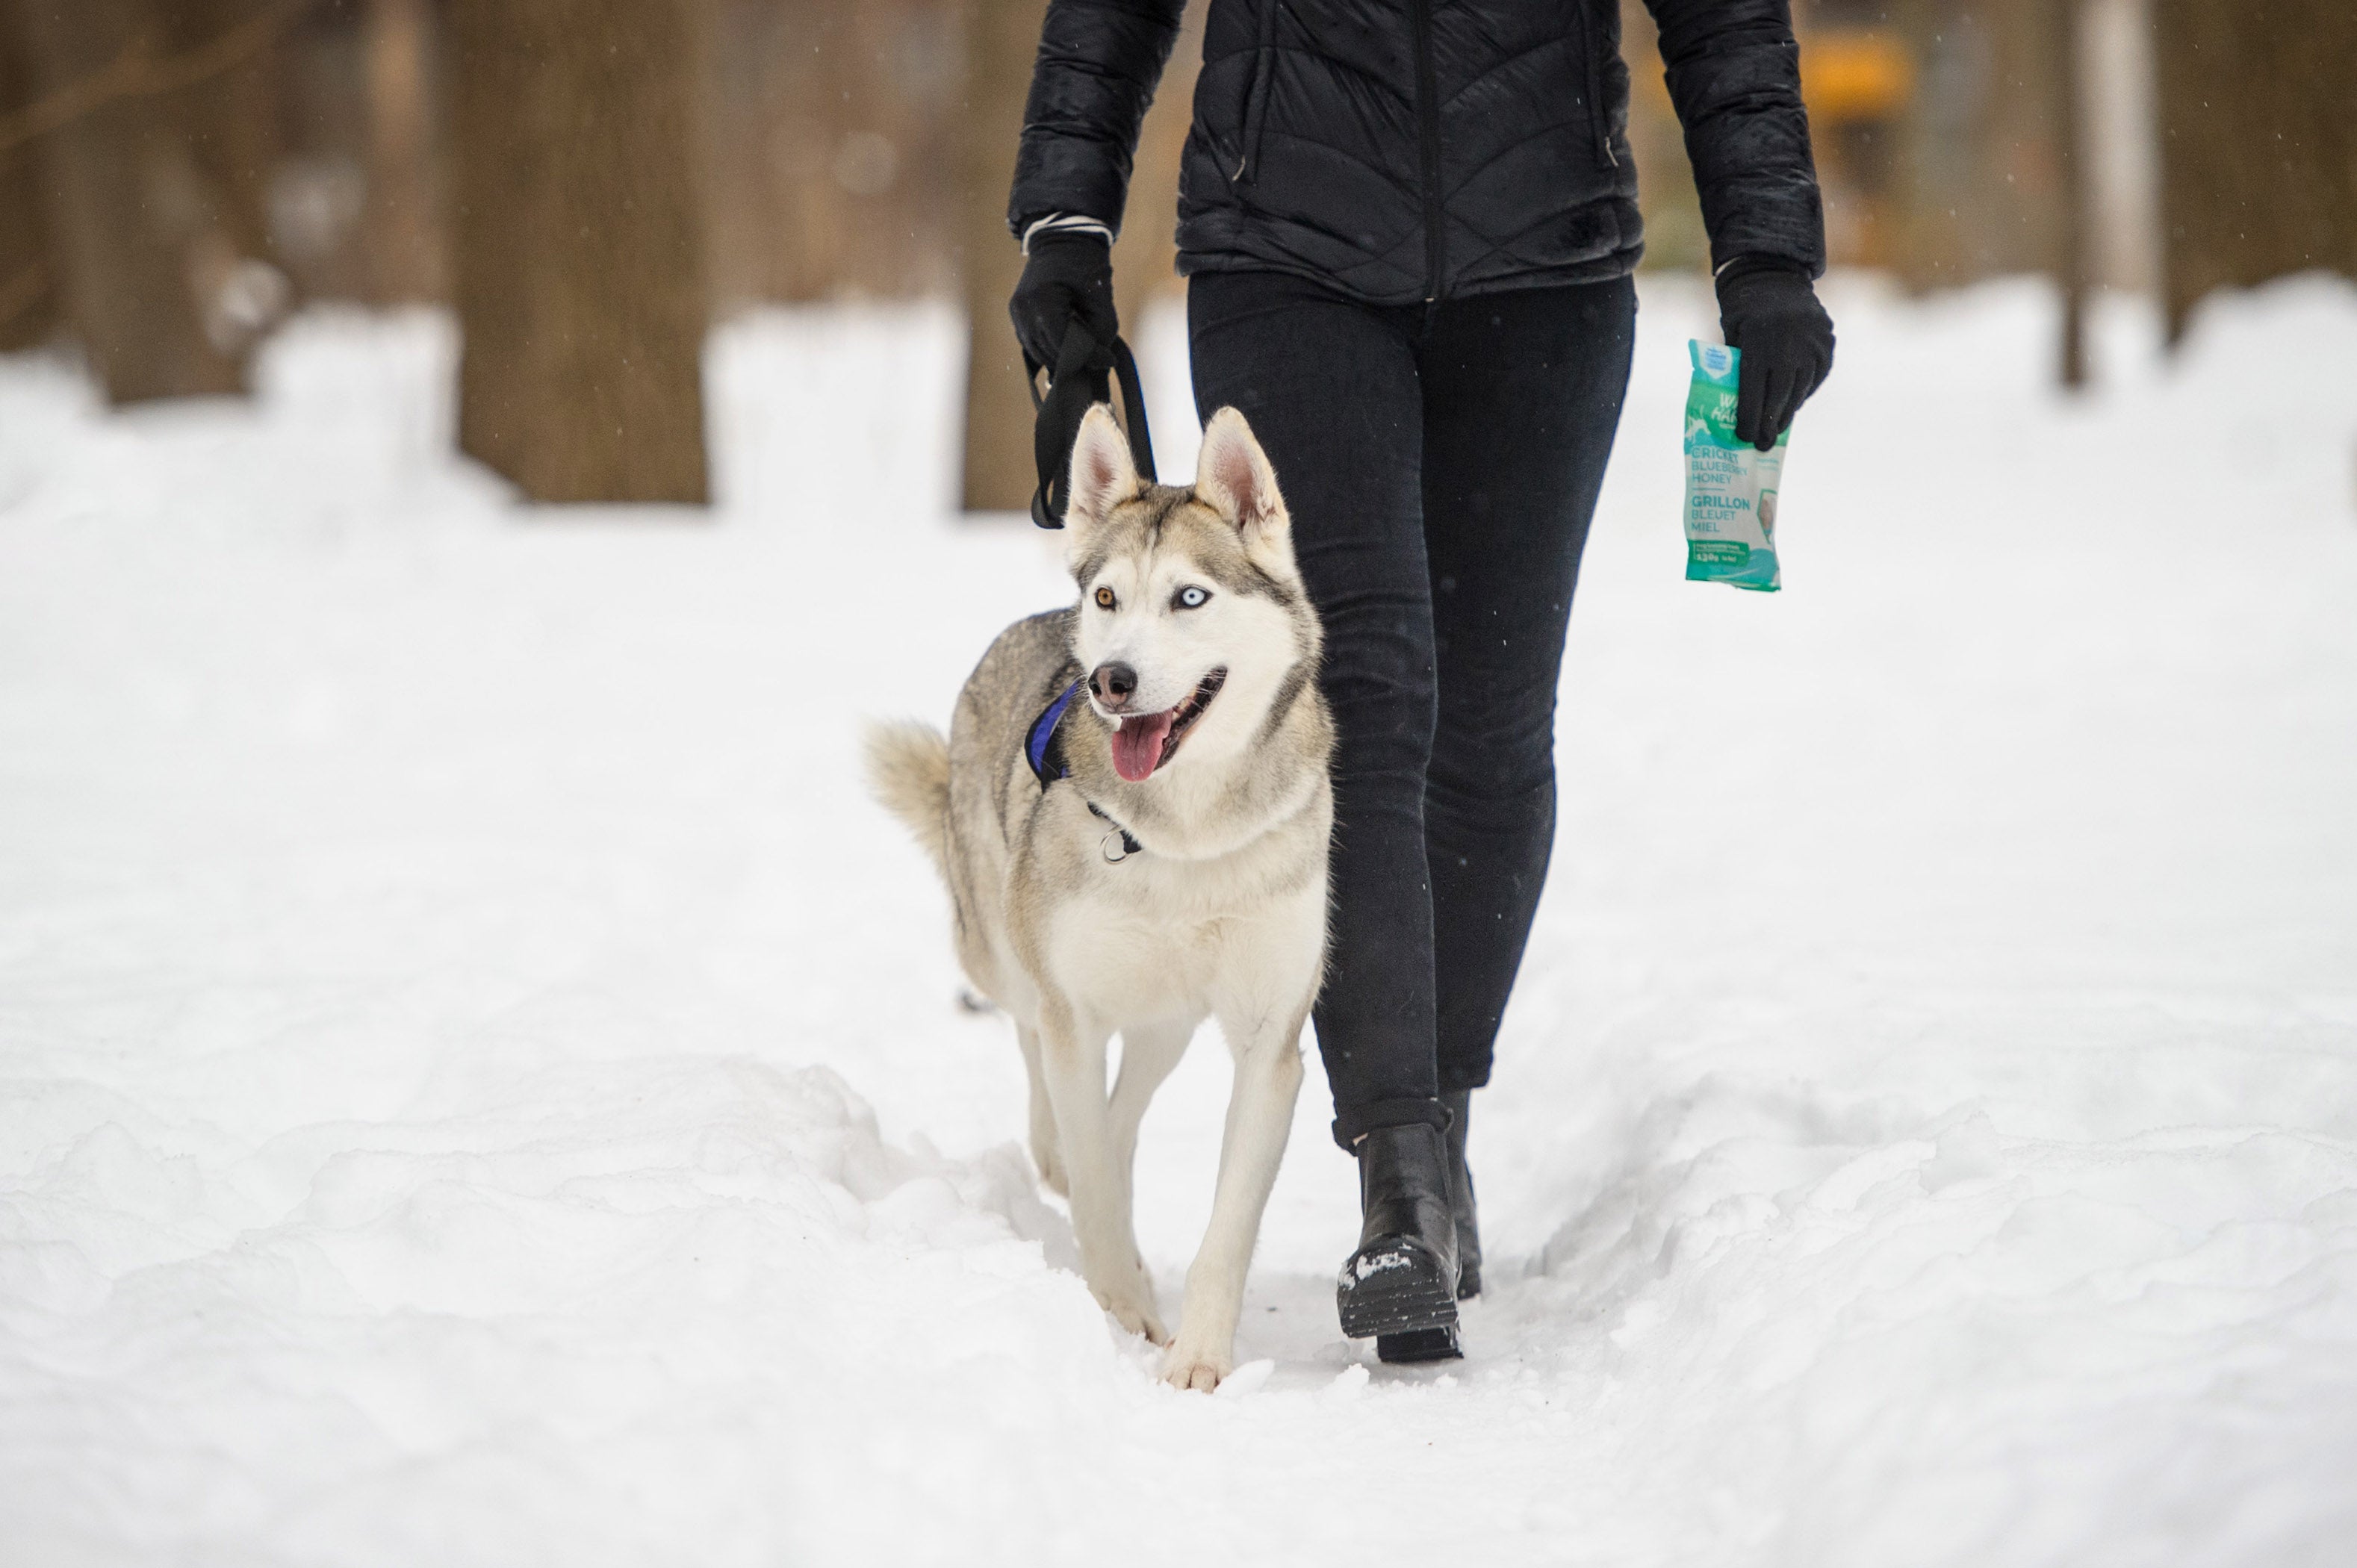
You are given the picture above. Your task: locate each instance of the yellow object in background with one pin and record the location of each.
(1852, 74)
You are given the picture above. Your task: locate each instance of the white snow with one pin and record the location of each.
(482, 1087)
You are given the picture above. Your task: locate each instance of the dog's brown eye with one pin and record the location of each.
(1104, 598)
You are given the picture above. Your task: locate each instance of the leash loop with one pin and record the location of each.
(1084, 366)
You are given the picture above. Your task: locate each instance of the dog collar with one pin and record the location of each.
(1041, 748)
(1044, 750)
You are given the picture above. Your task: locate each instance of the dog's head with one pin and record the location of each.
(1192, 619)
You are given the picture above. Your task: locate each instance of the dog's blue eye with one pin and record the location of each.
(1191, 598)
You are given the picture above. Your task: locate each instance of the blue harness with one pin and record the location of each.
(1045, 751)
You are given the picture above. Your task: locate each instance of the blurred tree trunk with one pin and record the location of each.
(404, 251)
(831, 133)
(578, 246)
(230, 114)
(1145, 257)
(227, 116)
(1000, 48)
(1002, 39)
(2259, 143)
(28, 294)
(125, 209)
(2068, 117)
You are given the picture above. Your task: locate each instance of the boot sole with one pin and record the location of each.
(1409, 1295)
(1419, 1345)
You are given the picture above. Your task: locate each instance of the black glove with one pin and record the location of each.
(1067, 278)
(1768, 309)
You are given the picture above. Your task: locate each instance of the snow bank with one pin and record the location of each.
(480, 1086)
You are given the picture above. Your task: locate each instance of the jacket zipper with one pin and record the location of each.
(1597, 125)
(1428, 133)
(1257, 98)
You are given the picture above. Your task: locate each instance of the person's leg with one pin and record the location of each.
(1330, 389)
(1523, 394)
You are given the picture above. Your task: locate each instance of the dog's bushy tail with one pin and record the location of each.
(909, 771)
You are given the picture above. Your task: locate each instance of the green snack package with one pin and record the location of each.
(1730, 485)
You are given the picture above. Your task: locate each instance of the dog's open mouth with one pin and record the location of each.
(1144, 742)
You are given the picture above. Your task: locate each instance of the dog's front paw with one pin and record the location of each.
(1186, 1366)
(1136, 1315)
(1131, 1302)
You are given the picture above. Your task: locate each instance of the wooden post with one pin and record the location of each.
(578, 246)
(125, 205)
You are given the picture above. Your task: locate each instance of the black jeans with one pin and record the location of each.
(1441, 463)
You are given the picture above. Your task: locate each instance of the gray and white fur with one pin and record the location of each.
(1222, 781)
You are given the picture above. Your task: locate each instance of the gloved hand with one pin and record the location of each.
(1768, 308)
(1068, 278)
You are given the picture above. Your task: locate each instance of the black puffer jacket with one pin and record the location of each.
(1414, 149)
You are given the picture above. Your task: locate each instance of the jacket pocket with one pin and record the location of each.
(1256, 97)
(1591, 60)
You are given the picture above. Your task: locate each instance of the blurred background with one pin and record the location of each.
(477, 1086)
(590, 185)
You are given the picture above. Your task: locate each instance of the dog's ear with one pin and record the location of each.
(1104, 474)
(1233, 478)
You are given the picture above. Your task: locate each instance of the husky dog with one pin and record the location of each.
(1132, 812)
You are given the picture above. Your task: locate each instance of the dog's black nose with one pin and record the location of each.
(1112, 683)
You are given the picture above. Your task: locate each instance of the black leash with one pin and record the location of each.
(1079, 380)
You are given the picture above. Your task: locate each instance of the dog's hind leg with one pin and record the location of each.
(1045, 1152)
(1259, 1116)
(1072, 1061)
(1148, 1055)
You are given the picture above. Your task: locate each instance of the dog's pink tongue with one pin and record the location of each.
(1137, 744)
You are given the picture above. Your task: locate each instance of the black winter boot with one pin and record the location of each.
(1401, 1284)
(1460, 1196)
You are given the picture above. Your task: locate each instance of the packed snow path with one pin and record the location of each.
(480, 1086)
